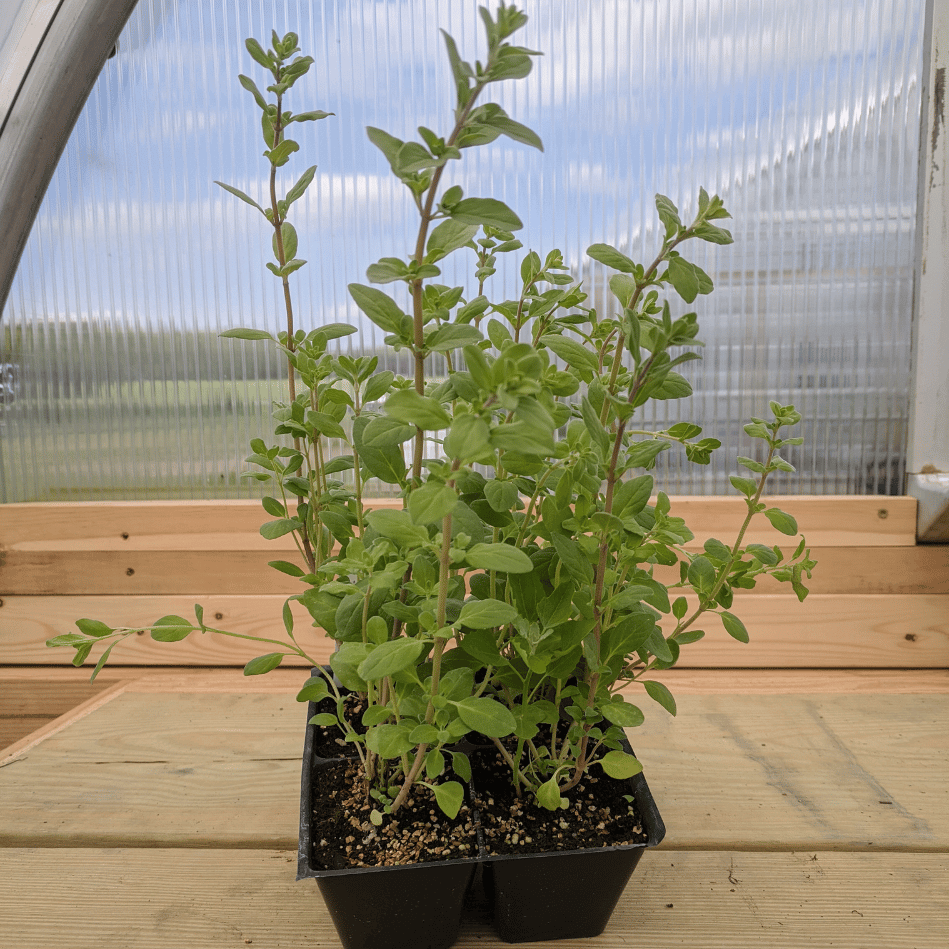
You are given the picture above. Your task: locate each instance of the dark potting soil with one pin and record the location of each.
(328, 742)
(598, 816)
(344, 837)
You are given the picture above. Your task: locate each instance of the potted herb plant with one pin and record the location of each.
(498, 619)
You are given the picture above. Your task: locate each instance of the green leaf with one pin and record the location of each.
(713, 234)
(315, 690)
(407, 405)
(258, 54)
(668, 214)
(745, 485)
(611, 257)
(623, 714)
(501, 495)
(571, 556)
(273, 529)
(246, 334)
(453, 336)
(388, 144)
(281, 154)
(751, 465)
(517, 132)
(548, 795)
(283, 566)
(336, 331)
(688, 279)
(397, 526)
(659, 693)
(387, 270)
(468, 437)
(619, 765)
(486, 211)
(571, 352)
(314, 116)
(378, 306)
(424, 734)
(171, 629)
(263, 664)
(435, 759)
(82, 653)
(591, 421)
(251, 87)
(461, 765)
(632, 496)
(501, 557)
(734, 627)
(431, 502)
(486, 716)
(383, 431)
(486, 614)
(387, 464)
(390, 657)
(389, 741)
(302, 184)
(378, 385)
(94, 627)
(240, 194)
(66, 639)
(288, 235)
(344, 663)
(702, 574)
(781, 521)
(103, 659)
(449, 797)
(449, 235)
(273, 507)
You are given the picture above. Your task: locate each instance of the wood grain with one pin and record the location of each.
(854, 772)
(198, 572)
(879, 631)
(216, 899)
(284, 681)
(27, 705)
(826, 521)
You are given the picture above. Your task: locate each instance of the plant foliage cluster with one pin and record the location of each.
(514, 594)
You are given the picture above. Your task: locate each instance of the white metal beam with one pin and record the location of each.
(61, 46)
(927, 461)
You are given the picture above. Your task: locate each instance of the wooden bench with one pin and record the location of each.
(804, 781)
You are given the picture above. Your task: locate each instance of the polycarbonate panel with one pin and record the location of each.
(803, 115)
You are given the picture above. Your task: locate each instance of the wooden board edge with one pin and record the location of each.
(19, 748)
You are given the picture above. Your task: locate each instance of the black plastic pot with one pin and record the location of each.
(567, 895)
(534, 897)
(418, 906)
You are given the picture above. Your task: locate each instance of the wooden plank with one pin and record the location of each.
(786, 771)
(814, 771)
(19, 697)
(53, 726)
(284, 681)
(916, 570)
(824, 631)
(13, 729)
(212, 899)
(826, 520)
(27, 622)
(28, 705)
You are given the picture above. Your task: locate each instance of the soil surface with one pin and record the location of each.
(344, 837)
(328, 742)
(598, 816)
